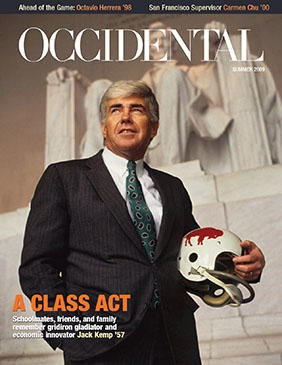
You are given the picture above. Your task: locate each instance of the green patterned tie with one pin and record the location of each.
(142, 218)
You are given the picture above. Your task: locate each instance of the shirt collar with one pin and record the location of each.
(119, 164)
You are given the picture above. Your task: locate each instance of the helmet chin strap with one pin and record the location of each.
(232, 290)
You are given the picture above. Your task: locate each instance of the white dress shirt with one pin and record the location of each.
(117, 167)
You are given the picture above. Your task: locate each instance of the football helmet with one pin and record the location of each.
(206, 266)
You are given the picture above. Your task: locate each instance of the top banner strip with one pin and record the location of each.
(144, 7)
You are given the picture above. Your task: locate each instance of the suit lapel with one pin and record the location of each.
(104, 185)
(168, 212)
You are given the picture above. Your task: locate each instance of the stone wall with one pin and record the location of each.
(248, 203)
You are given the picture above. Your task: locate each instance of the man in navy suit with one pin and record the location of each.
(81, 248)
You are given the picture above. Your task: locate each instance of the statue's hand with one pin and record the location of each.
(60, 75)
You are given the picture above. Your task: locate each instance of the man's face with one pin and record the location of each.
(128, 129)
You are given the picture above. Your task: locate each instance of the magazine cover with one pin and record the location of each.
(77, 287)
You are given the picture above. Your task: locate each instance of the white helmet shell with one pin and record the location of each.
(205, 262)
(203, 247)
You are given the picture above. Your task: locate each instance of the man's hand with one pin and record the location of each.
(250, 265)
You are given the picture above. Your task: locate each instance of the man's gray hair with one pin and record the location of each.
(127, 88)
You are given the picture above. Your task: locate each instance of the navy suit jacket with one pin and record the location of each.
(80, 239)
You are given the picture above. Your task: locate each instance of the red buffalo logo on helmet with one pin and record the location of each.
(202, 233)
